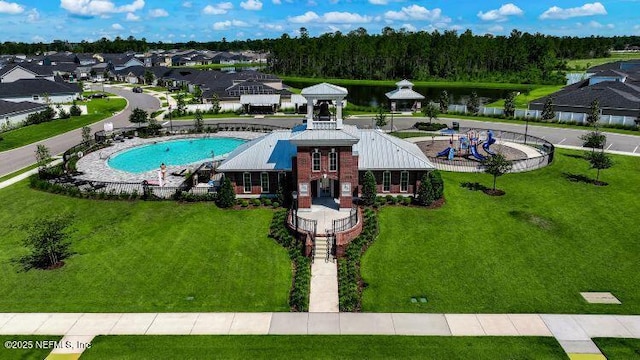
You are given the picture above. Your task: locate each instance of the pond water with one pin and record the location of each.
(365, 95)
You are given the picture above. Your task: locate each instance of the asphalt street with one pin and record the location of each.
(16, 159)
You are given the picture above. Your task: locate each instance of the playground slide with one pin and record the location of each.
(474, 152)
(444, 152)
(486, 145)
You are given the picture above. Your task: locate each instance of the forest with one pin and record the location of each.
(518, 58)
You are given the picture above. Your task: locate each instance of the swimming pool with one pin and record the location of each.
(172, 153)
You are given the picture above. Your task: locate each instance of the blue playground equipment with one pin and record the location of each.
(490, 141)
(448, 152)
(475, 153)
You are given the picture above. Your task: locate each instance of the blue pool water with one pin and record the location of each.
(175, 152)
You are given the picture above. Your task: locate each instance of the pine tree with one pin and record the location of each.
(369, 189)
(473, 104)
(444, 101)
(509, 104)
(226, 195)
(425, 191)
(437, 184)
(547, 110)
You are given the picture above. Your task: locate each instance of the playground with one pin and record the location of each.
(464, 150)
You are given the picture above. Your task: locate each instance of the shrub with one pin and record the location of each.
(437, 185)
(429, 126)
(369, 189)
(267, 202)
(62, 114)
(255, 202)
(244, 203)
(425, 191)
(276, 204)
(389, 199)
(226, 195)
(407, 201)
(75, 110)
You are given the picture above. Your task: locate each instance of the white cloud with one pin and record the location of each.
(132, 17)
(378, 2)
(416, 12)
(224, 25)
(408, 27)
(38, 39)
(456, 27)
(251, 5)
(156, 13)
(10, 8)
(272, 27)
(495, 29)
(596, 25)
(117, 27)
(98, 7)
(333, 17)
(33, 15)
(217, 9)
(501, 14)
(276, 2)
(305, 18)
(187, 4)
(555, 12)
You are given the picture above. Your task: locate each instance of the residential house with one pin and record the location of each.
(12, 114)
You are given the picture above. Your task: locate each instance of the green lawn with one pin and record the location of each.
(16, 173)
(435, 84)
(24, 353)
(531, 251)
(322, 347)
(98, 109)
(619, 349)
(144, 257)
(584, 64)
(522, 101)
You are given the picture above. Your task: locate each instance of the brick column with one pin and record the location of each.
(348, 166)
(303, 167)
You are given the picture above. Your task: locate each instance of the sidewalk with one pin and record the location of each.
(25, 175)
(573, 332)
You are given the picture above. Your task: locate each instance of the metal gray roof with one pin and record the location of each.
(324, 89)
(346, 136)
(376, 151)
(272, 152)
(9, 107)
(404, 83)
(298, 99)
(260, 99)
(380, 151)
(404, 94)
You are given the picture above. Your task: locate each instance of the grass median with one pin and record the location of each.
(144, 257)
(531, 251)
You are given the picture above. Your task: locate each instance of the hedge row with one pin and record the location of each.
(299, 295)
(349, 279)
(423, 126)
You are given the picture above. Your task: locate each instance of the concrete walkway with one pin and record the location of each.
(573, 332)
(323, 294)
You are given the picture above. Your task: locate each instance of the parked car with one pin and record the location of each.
(137, 89)
(98, 96)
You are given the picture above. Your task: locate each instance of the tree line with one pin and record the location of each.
(392, 54)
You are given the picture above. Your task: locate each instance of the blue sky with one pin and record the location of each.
(205, 20)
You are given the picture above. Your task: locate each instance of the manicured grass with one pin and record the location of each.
(523, 100)
(98, 109)
(531, 251)
(536, 123)
(435, 84)
(412, 134)
(584, 64)
(619, 349)
(16, 173)
(322, 347)
(144, 257)
(13, 353)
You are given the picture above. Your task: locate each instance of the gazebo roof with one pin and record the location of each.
(324, 90)
(404, 94)
(404, 83)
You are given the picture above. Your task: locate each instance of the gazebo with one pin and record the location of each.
(404, 98)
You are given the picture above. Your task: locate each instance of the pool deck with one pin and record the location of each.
(95, 168)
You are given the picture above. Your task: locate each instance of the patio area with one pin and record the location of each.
(324, 210)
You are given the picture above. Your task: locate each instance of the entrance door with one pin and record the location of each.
(325, 187)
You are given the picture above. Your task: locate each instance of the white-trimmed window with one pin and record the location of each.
(315, 160)
(264, 182)
(404, 181)
(333, 160)
(281, 178)
(386, 181)
(36, 97)
(246, 182)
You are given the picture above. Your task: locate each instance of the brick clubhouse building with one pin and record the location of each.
(324, 157)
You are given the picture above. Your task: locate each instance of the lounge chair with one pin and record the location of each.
(180, 173)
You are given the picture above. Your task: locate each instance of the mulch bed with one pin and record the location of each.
(491, 192)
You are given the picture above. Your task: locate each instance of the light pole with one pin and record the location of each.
(294, 204)
(526, 125)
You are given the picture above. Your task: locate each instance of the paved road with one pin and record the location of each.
(17, 159)
(558, 136)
